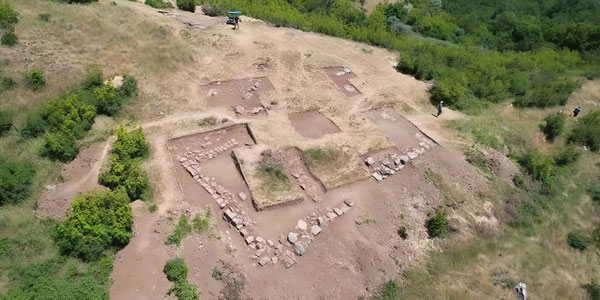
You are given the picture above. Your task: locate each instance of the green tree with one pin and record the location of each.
(15, 181)
(34, 126)
(587, 131)
(553, 125)
(99, 220)
(108, 101)
(189, 5)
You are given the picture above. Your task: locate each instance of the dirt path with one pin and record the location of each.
(80, 175)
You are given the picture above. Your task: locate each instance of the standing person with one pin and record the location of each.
(439, 108)
(576, 111)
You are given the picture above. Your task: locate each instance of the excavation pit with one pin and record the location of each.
(312, 124)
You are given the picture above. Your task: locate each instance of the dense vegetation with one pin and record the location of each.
(15, 180)
(8, 19)
(477, 53)
(98, 221)
(553, 125)
(176, 271)
(64, 120)
(125, 169)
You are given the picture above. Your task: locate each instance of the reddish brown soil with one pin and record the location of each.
(140, 276)
(80, 175)
(343, 81)
(312, 124)
(401, 131)
(232, 92)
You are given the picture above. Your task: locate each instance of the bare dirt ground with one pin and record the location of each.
(312, 124)
(357, 247)
(80, 175)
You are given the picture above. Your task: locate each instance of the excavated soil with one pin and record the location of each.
(312, 124)
(357, 250)
(239, 93)
(341, 77)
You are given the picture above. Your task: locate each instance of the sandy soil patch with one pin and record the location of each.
(80, 175)
(312, 124)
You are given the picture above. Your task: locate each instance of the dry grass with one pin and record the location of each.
(334, 166)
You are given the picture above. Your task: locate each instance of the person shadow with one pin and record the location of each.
(435, 115)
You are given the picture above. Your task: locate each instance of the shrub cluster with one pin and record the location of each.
(15, 180)
(210, 11)
(6, 83)
(437, 223)
(183, 228)
(176, 271)
(157, 4)
(99, 220)
(34, 79)
(553, 125)
(5, 121)
(66, 119)
(587, 131)
(125, 170)
(188, 5)
(477, 58)
(8, 19)
(579, 240)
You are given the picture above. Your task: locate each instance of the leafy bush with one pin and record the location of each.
(578, 239)
(5, 121)
(553, 125)
(99, 220)
(593, 290)
(587, 131)
(93, 77)
(182, 229)
(8, 16)
(184, 290)
(541, 167)
(15, 181)
(403, 232)
(130, 144)
(34, 79)
(189, 5)
(210, 11)
(9, 38)
(157, 4)
(68, 115)
(596, 236)
(129, 88)
(33, 126)
(437, 223)
(547, 92)
(125, 167)
(595, 192)
(60, 146)
(175, 269)
(107, 100)
(566, 156)
(6, 83)
(45, 17)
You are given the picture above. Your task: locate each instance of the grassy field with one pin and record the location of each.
(63, 42)
(534, 250)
